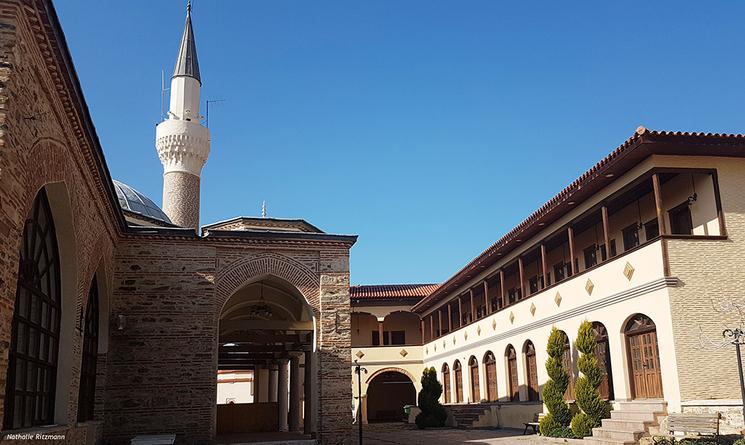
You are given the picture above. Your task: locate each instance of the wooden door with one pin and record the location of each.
(512, 368)
(446, 384)
(475, 390)
(602, 352)
(491, 378)
(644, 360)
(458, 383)
(532, 370)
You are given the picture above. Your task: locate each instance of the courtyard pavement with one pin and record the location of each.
(402, 434)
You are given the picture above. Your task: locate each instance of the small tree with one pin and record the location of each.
(593, 407)
(556, 422)
(433, 413)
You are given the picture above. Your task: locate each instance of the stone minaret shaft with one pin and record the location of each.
(183, 144)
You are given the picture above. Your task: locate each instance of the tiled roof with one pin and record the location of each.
(641, 144)
(391, 291)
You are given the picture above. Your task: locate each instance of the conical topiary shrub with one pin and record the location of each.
(594, 408)
(556, 422)
(433, 413)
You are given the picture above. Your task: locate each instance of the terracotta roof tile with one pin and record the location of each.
(391, 291)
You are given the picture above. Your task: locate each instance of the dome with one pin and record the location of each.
(134, 201)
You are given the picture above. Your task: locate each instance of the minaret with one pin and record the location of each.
(182, 143)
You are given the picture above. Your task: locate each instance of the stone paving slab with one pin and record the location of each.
(395, 434)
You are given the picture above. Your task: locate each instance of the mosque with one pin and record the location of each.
(120, 318)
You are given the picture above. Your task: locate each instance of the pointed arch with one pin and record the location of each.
(490, 375)
(531, 370)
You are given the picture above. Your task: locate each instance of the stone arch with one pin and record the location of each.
(391, 369)
(250, 269)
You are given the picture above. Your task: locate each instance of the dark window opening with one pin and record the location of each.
(630, 237)
(376, 338)
(398, 337)
(87, 395)
(680, 220)
(652, 229)
(591, 256)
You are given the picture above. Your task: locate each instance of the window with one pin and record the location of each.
(652, 229)
(398, 337)
(87, 395)
(560, 271)
(604, 254)
(591, 256)
(680, 220)
(32, 359)
(630, 237)
(375, 338)
(533, 283)
(514, 295)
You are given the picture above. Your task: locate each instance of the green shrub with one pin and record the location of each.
(556, 422)
(433, 413)
(593, 408)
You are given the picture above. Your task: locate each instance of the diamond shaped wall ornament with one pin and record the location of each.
(589, 286)
(494, 325)
(512, 317)
(478, 330)
(628, 271)
(532, 308)
(465, 336)
(435, 348)
(403, 353)
(453, 339)
(426, 350)
(557, 299)
(444, 344)
(359, 354)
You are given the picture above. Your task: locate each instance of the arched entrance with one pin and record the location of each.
(458, 381)
(531, 369)
(644, 357)
(602, 352)
(490, 369)
(473, 367)
(266, 342)
(387, 394)
(446, 382)
(566, 360)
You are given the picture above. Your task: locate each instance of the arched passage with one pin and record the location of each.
(473, 373)
(490, 374)
(266, 332)
(512, 381)
(458, 381)
(446, 382)
(644, 357)
(402, 328)
(531, 370)
(387, 394)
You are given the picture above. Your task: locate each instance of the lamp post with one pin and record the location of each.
(737, 337)
(358, 369)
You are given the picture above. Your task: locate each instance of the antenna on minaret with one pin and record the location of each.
(188, 6)
(207, 113)
(163, 90)
(263, 209)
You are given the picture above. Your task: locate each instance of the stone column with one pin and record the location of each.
(295, 392)
(273, 387)
(282, 395)
(308, 393)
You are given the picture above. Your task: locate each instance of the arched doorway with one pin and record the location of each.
(387, 394)
(473, 367)
(458, 382)
(644, 357)
(446, 382)
(602, 352)
(490, 372)
(265, 339)
(531, 370)
(511, 356)
(566, 360)
(35, 331)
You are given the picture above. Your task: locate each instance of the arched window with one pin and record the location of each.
(490, 367)
(446, 382)
(512, 373)
(566, 360)
(473, 366)
(531, 368)
(602, 352)
(86, 398)
(644, 357)
(458, 382)
(32, 361)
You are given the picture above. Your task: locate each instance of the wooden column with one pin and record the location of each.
(502, 295)
(431, 327)
(439, 319)
(521, 274)
(658, 204)
(380, 333)
(606, 231)
(570, 235)
(450, 317)
(460, 312)
(473, 306)
(422, 328)
(487, 300)
(544, 266)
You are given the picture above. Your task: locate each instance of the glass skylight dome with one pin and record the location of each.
(134, 201)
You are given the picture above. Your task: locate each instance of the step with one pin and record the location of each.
(622, 435)
(643, 405)
(627, 425)
(604, 441)
(649, 416)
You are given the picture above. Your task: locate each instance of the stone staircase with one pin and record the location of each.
(465, 415)
(628, 422)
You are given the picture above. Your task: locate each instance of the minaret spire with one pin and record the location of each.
(183, 143)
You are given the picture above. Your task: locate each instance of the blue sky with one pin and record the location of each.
(428, 128)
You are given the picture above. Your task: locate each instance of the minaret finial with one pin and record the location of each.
(263, 209)
(188, 6)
